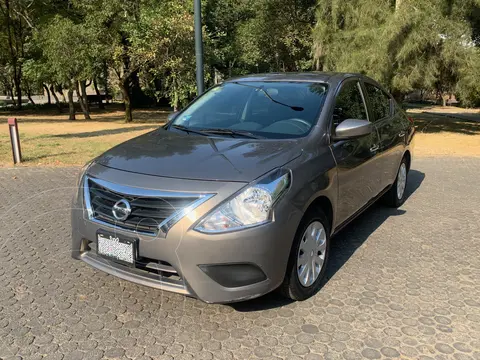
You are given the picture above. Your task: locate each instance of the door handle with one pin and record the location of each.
(374, 148)
(402, 134)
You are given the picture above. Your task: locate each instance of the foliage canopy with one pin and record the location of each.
(145, 48)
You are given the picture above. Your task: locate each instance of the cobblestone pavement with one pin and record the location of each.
(402, 284)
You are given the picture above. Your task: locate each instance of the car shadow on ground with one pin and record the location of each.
(343, 245)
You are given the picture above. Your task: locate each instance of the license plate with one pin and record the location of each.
(119, 249)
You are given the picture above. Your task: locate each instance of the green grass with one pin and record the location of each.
(47, 138)
(50, 139)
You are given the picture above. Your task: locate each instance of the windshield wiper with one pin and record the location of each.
(295, 108)
(231, 132)
(219, 131)
(188, 130)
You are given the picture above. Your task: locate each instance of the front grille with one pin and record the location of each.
(147, 212)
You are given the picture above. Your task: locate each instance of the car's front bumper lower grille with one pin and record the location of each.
(155, 273)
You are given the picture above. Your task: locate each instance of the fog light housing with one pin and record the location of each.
(234, 275)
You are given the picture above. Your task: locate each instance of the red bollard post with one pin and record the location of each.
(15, 140)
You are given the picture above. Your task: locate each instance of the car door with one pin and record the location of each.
(355, 158)
(391, 131)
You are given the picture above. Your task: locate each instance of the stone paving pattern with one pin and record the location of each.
(402, 284)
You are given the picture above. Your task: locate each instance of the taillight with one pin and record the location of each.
(411, 120)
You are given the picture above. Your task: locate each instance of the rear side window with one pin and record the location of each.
(349, 104)
(379, 101)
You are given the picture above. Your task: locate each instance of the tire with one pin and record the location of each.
(292, 286)
(394, 197)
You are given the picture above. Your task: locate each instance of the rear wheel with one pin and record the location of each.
(395, 197)
(308, 257)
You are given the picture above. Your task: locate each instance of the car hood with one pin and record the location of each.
(188, 156)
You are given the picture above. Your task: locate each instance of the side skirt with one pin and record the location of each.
(361, 210)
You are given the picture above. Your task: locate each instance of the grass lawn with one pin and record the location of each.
(50, 139)
(47, 138)
(443, 135)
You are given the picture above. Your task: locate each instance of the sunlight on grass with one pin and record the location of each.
(50, 139)
(442, 135)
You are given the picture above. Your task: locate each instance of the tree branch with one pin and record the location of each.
(29, 23)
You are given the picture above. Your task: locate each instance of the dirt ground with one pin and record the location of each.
(439, 135)
(50, 139)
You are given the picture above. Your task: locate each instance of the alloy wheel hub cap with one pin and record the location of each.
(311, 253)
(401, 180)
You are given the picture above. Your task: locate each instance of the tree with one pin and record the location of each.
(146, 47)
(145, 42)
(279, 37)
(110, 22)
(15, 33)
(67, 51)
(223, 19)
(468, 87)
(266, 35)
(163, 41)
(404, 44)
(37, 75)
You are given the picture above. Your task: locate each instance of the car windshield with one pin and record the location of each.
(255, 109)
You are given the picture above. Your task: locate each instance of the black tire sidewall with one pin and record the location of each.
(296, 290)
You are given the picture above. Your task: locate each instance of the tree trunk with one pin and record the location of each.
(83, 86)
(397, 4)
(60, 91)
(105, 85)
(99, 96)
(49, 99)
(29, 95)
(86, 113)
(18, 89)
(107, 95)
(57, 102)
(71, 105)
(397, 95)
(124, 86)
(12, 96)
(14, 55)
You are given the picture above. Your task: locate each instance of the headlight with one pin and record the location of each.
(251, 207)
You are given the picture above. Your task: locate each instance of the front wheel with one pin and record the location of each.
(308, 257)
(396, 196)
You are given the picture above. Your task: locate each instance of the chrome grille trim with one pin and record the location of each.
(122, 190)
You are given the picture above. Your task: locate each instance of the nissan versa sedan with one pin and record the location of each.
(241, 192)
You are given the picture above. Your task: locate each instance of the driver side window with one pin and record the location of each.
(349, 104)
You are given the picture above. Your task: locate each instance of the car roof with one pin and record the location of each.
(314, 76)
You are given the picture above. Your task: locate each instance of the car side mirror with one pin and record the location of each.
(352, 128)
(172, 116)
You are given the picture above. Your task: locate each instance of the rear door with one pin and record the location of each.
(355, 158)
(390, 125)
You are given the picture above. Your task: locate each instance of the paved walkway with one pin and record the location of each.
(403, 283)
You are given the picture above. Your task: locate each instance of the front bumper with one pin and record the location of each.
(183, 252)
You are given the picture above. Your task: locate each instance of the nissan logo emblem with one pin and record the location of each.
(121, 210)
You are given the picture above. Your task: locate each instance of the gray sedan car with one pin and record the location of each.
(241, 192)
